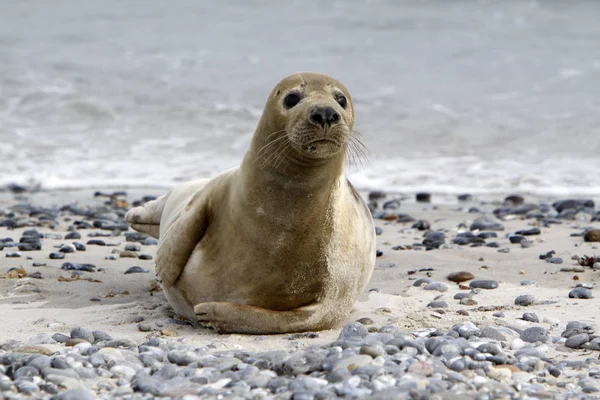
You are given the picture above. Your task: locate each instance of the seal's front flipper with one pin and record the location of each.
(146, 218)
(178, 241)
(242, 318)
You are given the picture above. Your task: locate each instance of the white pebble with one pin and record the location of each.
(517, 344)
(383, 382)
(123, 371)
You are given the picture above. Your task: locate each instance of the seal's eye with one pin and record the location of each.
(291, 100)
(341, 99)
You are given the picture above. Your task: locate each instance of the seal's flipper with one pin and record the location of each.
(146, 218)
(242, 318)
(180, 238)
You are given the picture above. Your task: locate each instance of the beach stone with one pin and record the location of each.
(504, 250)
(128, 254)
(67, 248)
(378, 230)
(100, 336)
(437, 286)
(182, 357)
(76, 394)
(580, 293)
(593, 235)
(422, 281)
(486, 224)
(462, 295)
(60, 337)
(145, 257)
(353, 330)
(460, 276)
(135, 270)
(82, 333)
(14, 254)
(434, 239)
(527, 283)
(57, 256)
(576, 341)
(421, 225)
(79, 246)
(554, 260)
(438, 304)
(490, 332)
(466, 329)
(525, 300)
(73, 235)
(516, 239)
(484, 284)
(529, 232)
(150, 242)
(535, 334)
(530, 317)
(423, 197)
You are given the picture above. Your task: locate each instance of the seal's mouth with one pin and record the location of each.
(315, 144)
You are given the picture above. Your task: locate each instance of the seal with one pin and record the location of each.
(284, 243)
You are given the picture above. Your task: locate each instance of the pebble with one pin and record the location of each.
(525, 300)
(529, 232)
(437, 286)
(14, 254)
(554, 260)
(534, 334)
(576, 341)
(486, 224)
(437, 304)
(484, 284)
(79, 246)
(592, 235)
(82, 333)
(580, 293)
(96, 242)
(530, 317)
(135, 270)
(57, 256)
(460, 276)
(73, 235)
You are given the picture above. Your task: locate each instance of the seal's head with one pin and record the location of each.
(308, 119)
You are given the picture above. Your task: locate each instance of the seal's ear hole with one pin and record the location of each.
(278, 93)
(341, 99)
(291, 99)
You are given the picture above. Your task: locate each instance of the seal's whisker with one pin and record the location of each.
(276, 152)
(268, 145)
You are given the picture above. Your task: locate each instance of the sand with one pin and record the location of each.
(29, 306)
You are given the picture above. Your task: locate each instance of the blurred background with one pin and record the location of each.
(450, 96)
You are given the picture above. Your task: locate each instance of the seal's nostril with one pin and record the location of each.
(324, 116)
(317, 117)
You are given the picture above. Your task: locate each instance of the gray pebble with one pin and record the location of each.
(524, 300)
(527, 283)
(135, 270)
(531, 317)
(484, 284)
(576, 341)
(76, 394)
(437, 286)
(554, 260)
(580, 293)
(353, 330)
(438, 304)
(182, 357)
(534, 334)
(82, 333)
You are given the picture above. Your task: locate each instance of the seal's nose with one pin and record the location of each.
(324, 116)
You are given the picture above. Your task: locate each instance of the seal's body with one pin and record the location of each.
(282, 244)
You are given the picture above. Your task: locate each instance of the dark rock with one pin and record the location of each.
(30, 246)
(73, 235)
(82, 333)
(78, 267)
(465, 197)
(554, 260)
(423, 197)
(487, 235)
(516, 239)
(378, 230)
(465, 238)
(486, 224)
(421, 225)
(530, 317)
(378, 253)
(524, 300)
(438, 304)
(434, 240)
(96, 242)
(145, 257)
(57, 256)
(514, 200)
(484, 284)
(576, 341)
(593, 235)
(571, 204)
(404, 218)
(461, 276)
(529, 232)
(391, 205)
(580, 293)
(79, 246)
(535, 334)
(135, 270)
(377, 195)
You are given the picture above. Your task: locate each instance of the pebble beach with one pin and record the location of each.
(470, 298)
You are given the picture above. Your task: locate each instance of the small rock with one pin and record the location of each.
(437, 286)
(353, 330)
(486, 224)
(135, 270)
(423, 197)
(73, 235)
(554, 260)
(530, 317)
(437, 304)
(525, 300)
(460, 276)
(82, 333)
(57, 256)
(535, 334)
(580, 293)
(484, 284)
(593, 235)
(576, 341)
